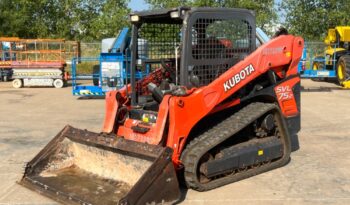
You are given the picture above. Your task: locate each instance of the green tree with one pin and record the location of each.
(15, 18)
(88, 20)
(113, 17)
(312, 18)
(266, 14)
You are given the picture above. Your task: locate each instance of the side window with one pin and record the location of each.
(158, 41)
(220, 38)
(217, 45)
(232, 33)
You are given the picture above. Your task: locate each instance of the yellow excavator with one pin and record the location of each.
(337, 55)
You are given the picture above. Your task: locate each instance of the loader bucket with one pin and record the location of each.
(82, 167)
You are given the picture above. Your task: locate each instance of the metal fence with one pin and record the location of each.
(315, 57)
(86, 67)
(90, 49)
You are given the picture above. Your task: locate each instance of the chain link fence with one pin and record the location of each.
(86, 50)
(316, 57)
(90, 49)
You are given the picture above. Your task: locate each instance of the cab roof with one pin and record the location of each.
(164, 15)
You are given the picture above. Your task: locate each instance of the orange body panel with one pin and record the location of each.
(182, 113)
(111, 107)
(285, 97)
(156, 130)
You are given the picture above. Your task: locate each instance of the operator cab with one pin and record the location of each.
(187, 47)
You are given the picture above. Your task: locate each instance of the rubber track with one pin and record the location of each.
(219, 133)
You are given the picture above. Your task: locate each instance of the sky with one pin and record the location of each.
(138, 5)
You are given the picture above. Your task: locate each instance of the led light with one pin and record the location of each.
(134, 18)
(174, 14)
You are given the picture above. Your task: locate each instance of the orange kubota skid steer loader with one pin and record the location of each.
(215, 110)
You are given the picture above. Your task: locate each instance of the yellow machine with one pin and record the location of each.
(338, 53)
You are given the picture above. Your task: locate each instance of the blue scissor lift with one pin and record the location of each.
(113, 72)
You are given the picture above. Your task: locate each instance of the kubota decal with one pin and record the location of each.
(241, 75)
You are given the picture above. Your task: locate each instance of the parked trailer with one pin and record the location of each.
(35, 62)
